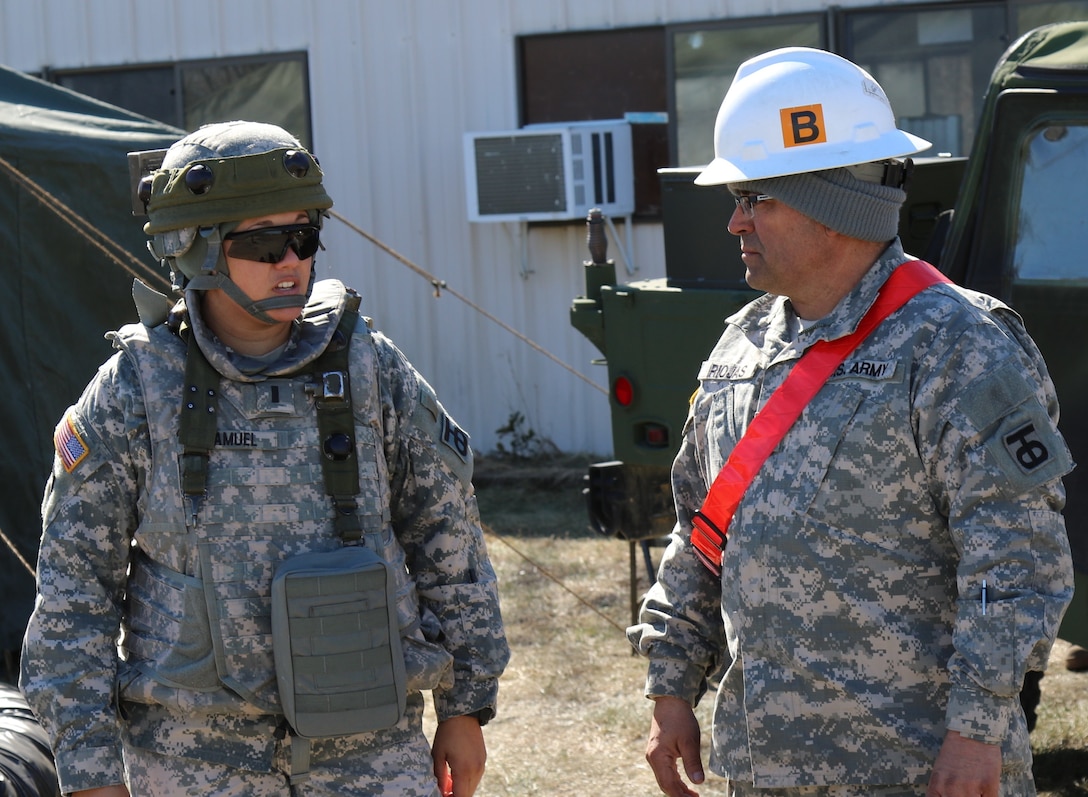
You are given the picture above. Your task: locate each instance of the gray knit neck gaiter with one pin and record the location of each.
(838, 200)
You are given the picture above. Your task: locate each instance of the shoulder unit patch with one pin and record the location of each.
(1026, 448)
(455, 437)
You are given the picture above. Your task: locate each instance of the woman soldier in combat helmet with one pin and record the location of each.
(260, 538)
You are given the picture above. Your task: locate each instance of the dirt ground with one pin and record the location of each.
(572, 719)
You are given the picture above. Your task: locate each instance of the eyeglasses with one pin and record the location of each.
(270, 244)
(747, 202)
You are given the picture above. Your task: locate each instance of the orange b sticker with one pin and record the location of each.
(803, 125)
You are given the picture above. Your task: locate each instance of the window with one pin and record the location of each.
(613, 74)
(1028, 15)
(144, 90)
(187, 94)
(1052, 228)
(934, 65)
(593, 75)
(704, 60)
(934, 60)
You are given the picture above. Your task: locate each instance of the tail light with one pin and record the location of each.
(623, 391)
(654, 435)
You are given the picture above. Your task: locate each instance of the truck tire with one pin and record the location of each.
(26, 763)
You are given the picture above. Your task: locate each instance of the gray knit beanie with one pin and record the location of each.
(837, 199)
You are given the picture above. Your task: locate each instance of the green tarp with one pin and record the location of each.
(62, 290)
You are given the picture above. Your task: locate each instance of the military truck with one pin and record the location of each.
(1010, 220)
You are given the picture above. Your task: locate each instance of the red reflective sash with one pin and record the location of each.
(710, 525)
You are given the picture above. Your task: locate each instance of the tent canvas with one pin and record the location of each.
(64, 287)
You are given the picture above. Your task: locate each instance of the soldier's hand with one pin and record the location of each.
(459, 756)
(674, 736)
(965, 768)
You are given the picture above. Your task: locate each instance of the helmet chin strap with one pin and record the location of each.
(214, 276)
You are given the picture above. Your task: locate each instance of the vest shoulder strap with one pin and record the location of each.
(335, 422)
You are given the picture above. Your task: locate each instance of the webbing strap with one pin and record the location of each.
(335, 423)
(300, 761)
(198, 420)
(710, 525)
(336, 426)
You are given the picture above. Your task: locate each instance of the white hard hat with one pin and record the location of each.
(798, 110)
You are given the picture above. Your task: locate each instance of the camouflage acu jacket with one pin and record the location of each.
(122, 548)
(848, 627)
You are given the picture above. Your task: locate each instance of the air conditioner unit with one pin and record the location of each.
(550, 172)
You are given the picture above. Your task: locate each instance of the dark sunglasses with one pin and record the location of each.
(270, 244)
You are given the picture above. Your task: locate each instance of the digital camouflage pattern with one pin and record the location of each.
(337, 768)
(854, 633)
(197, 679)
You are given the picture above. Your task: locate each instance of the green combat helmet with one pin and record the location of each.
(211, 180)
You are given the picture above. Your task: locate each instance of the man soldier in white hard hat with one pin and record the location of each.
(260, 539)
(869, 550)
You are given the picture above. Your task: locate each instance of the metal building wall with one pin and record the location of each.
(394, 86)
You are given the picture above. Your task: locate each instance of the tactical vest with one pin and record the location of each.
(199, 595)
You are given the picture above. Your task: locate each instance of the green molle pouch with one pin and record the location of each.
(336, 643)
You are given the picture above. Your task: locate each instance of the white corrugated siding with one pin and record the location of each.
(394, 86)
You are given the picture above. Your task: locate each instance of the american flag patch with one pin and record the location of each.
(70, 446)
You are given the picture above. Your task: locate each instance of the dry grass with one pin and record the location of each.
(572, 719)
(1060, 739)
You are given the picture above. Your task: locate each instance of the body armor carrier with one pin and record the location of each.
(335, 641)
(245, 490)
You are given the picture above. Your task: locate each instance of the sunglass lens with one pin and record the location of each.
(270, 244)
(306, 242)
